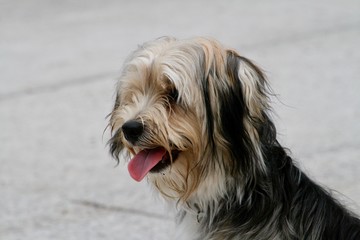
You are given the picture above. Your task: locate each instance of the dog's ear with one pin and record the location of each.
(115, 142)
(243, 107)
(254, 89)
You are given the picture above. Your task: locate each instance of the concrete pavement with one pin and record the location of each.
(59, 61)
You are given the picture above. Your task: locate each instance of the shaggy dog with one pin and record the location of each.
(193, 117)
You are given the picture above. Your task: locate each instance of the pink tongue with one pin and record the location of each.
(144, 161)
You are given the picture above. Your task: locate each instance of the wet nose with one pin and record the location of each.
(132, 130)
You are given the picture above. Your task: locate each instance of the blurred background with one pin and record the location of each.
(59, 61)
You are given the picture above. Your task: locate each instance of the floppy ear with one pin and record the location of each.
(116, 145)
(253, 84)
(243, 107)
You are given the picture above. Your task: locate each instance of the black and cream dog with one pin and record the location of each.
(193, 117)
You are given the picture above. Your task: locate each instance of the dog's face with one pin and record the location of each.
(187, 111)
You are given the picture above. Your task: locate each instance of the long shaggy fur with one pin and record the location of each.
(230, 178)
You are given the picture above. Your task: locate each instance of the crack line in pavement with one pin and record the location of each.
(46, 88)
(305, 36)
(101, 206)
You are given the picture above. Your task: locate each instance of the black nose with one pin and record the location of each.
(132, 130)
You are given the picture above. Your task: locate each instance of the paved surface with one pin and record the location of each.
(59, 61)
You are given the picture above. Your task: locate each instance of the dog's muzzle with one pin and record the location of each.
(146, 159)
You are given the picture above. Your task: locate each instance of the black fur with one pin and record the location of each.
(281, 203)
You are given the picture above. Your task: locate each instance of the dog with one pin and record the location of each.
(194, 119)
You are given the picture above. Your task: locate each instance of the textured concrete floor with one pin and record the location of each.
(59, 61)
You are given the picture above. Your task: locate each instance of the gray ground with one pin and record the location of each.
(59, 61)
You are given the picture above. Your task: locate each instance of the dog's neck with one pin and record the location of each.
(201, 211)
(188, 225)
(196, 221)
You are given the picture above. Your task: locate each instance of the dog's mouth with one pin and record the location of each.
(150, 160)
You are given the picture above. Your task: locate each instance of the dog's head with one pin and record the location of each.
(190, 115)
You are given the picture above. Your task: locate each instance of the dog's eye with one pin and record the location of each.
(173, 94)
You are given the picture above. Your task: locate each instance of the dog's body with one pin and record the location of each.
(195, 118)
